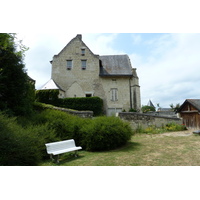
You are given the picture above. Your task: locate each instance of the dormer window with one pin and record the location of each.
(82, 51)
(69, 64)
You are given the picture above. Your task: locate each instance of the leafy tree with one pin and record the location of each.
(175, 107)
(16, 89)
(147, 109)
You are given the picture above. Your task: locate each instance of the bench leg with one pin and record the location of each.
(75, 154)
(51, 156)
(57, 159)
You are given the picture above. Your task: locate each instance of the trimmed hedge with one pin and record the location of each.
(94, 104)
(47, 96)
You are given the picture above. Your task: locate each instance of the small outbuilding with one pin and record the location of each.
(189, 111)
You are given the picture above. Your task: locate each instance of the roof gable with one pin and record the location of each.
(193, 102)
(77, 38)
(50, 85)
(115, 65)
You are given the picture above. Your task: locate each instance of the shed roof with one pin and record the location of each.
(115, 65)
(51, 85)
(193, 102)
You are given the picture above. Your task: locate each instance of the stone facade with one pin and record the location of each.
(80, 73)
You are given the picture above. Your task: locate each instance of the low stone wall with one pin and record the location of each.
(143, 120)
(163, 113)
(83, 114)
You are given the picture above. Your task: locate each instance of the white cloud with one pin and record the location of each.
(174, 76)
(101, 44)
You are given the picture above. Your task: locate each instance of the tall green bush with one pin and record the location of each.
(17, 146)
(105, 133)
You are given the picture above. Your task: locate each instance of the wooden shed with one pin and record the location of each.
(189, 111)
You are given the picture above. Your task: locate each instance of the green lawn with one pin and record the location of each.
(142, 150)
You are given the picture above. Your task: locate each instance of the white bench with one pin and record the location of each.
(56, 148)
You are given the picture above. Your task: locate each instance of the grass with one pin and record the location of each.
(142, 150)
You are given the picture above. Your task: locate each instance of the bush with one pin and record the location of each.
(18, 146)
(63, 125)
(175, 127)
(155, 130)
(47, 96)
(94, 104)
(105, 133)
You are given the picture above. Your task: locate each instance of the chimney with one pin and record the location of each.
(79, 36)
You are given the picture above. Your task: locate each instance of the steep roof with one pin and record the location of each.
(115, 65)
(193, 102)
(50, 85)
(150, 104)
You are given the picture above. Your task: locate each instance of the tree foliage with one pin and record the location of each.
(175, 107)
(147, 109)
(16, 90)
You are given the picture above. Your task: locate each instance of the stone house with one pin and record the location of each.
(189, 111)
(78, 72)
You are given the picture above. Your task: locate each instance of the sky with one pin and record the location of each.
(167, 63)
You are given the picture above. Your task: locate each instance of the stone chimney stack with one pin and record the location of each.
(79, 36)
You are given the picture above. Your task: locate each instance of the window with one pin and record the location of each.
(88, 95)
(83, 51)
(114, 94)
(83, 64)
(69, 64)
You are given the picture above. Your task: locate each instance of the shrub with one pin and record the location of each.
(175, 127)
(64, 126)
(155, 130)
(18, 146)
(105, 133)
(47, 96)
(94, 104)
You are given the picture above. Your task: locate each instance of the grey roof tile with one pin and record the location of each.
(115, 65)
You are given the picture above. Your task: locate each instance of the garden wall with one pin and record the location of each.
(83, 114)
(143, 120)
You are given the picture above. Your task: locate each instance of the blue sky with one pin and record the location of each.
(167, 63)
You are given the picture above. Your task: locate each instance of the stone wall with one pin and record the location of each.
(163, 113)
(143, 120)
(83, 114)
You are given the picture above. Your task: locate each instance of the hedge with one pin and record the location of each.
(94, 104)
